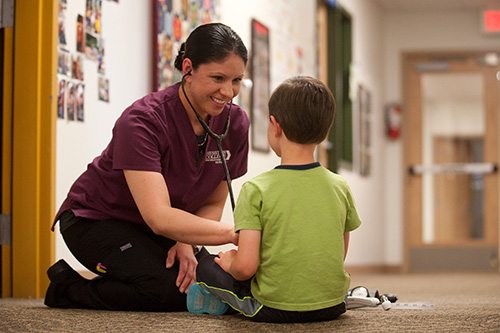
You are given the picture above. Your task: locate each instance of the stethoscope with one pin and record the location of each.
(217, 137)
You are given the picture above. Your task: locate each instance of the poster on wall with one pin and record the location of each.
(173, 21)
(260, 73)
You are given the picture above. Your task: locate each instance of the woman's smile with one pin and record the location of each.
(221, 102)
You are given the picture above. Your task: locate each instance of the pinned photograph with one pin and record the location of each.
(91, 46)
(71, 100)
(61, 98)
(90, 16)
(63, 62)
(80, 40)
(61, 24)
(103, 89)
(77, 66)
(80, 92)
(101, 64)
(97, 15)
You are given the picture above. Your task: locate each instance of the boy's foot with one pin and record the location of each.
(201, 301)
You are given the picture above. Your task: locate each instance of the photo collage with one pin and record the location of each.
(70, 64)
(174, 20)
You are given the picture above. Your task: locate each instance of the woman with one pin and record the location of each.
(158, 188)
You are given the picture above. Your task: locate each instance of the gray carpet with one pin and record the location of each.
(462, 303)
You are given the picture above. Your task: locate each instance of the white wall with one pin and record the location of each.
(127, 32)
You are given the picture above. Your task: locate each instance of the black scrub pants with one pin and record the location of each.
(131, 262)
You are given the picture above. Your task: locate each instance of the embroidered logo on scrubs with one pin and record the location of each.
(214, 156)
(101, 268)
(125, 247)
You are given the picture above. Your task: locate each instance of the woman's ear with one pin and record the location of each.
(187, 66)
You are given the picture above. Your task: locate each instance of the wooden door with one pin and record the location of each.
(450, 134)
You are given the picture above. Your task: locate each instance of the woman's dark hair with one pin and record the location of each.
(211, 42)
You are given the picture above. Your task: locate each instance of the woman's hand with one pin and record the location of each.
(187, 265)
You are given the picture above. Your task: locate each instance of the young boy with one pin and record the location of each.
(293, 223)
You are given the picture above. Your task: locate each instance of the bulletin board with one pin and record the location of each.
(173, 22)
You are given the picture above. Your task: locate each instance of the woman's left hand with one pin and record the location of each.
(187, 265)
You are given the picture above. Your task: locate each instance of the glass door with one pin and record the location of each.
(453, 140)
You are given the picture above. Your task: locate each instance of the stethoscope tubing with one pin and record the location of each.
(217, 137)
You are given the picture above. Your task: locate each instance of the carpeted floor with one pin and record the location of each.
(463, 302)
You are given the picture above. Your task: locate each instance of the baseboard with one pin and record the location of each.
(371, 269)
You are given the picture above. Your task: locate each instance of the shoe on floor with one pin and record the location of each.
(62, 272)
(61, 276)
(201, 301)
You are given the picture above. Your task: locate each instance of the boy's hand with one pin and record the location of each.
(225, 259)
(242, 264)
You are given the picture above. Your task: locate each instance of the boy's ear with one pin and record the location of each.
(276, 126)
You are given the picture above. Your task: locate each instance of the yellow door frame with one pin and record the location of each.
(33, 145)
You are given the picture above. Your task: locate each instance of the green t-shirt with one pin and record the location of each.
(303, 212)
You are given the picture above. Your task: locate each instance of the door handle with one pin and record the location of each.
(469, 168)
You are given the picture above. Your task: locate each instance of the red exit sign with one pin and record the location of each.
(491, 20)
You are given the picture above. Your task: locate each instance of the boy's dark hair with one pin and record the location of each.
(212, 42)
(304, 107)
